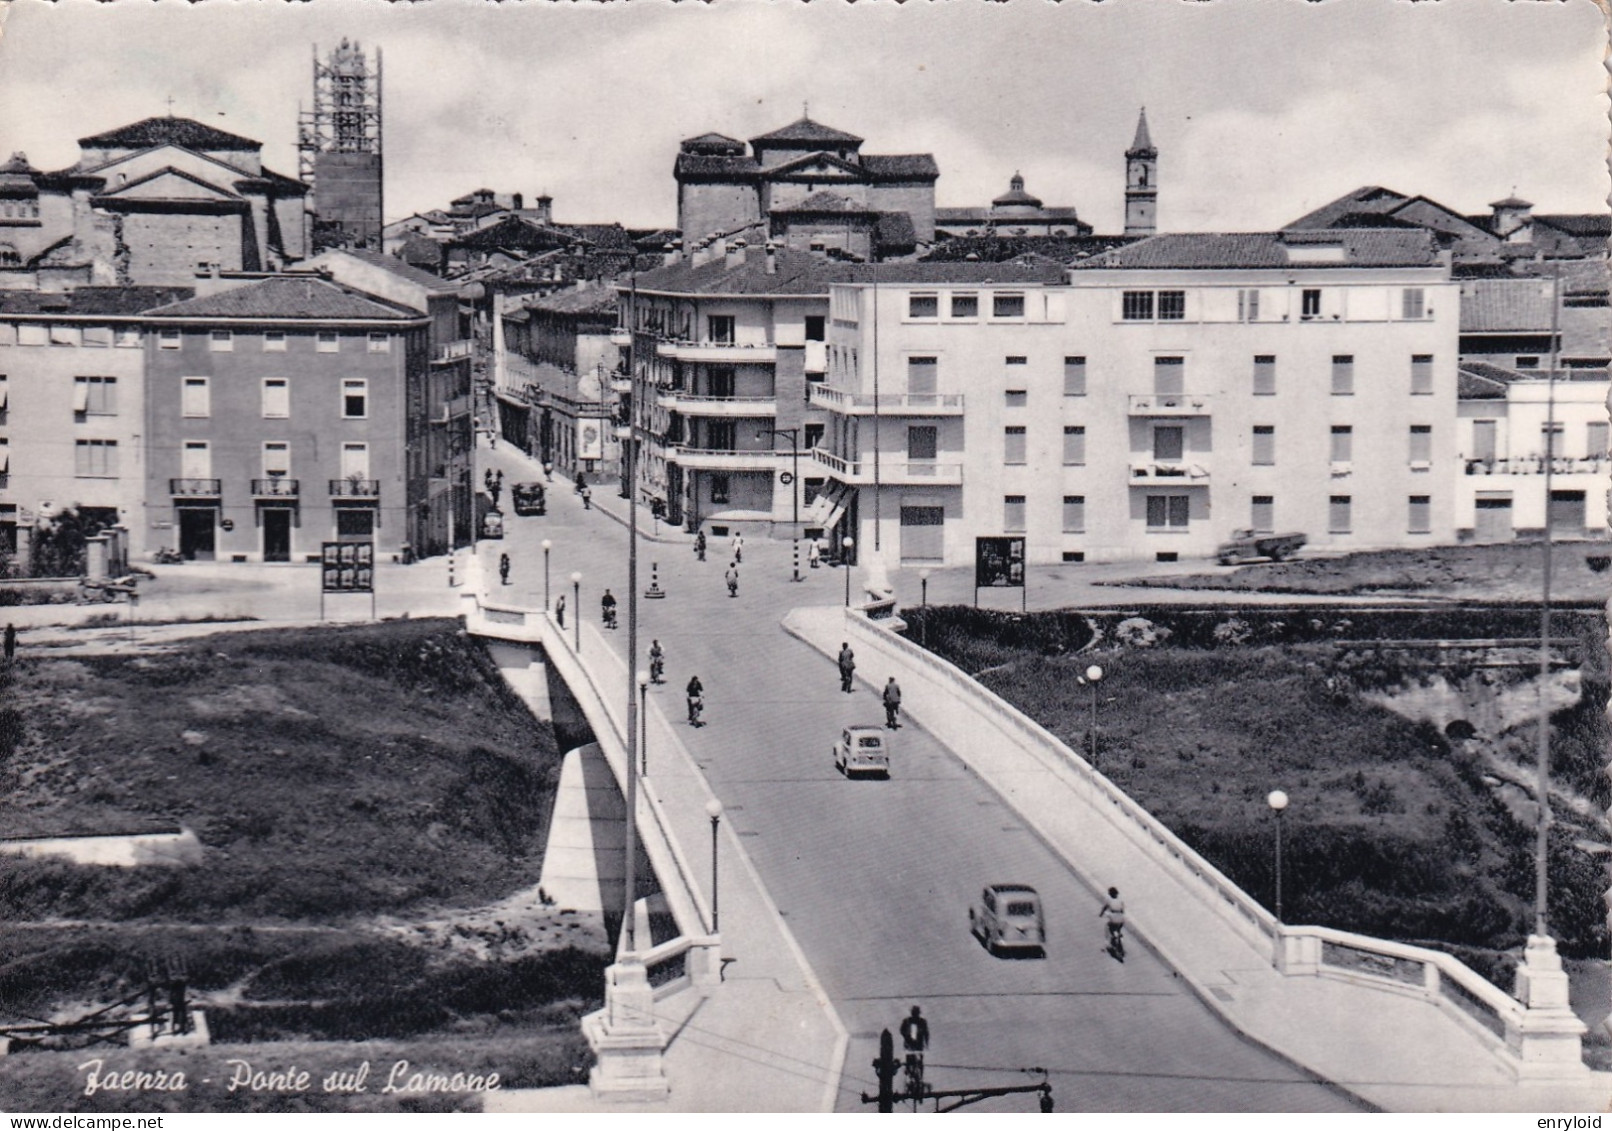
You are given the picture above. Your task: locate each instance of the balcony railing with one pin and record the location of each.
(701, 405)
(726, 459)
(1535, 465)
(901, 404)
(195, 488)
(354, 488)
(449, 352)
(1171, 404)
(277, 487)
(1169, 473)
(892, 470)
(718, 350)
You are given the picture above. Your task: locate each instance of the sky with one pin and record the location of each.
(1261, 109)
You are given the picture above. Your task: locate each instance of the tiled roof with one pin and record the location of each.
(1479, 381)
(1491, 306)
(591, 299)
(182, 132)
(1060, 249)
(1372, 247)
(396, 266)
(281, 181)
(806, 131)
(798, 272)
(1023, 270)
(707, 165)
(602, 236)
(1369, 199)
(285, 297)
(712, 143)
(18, 164)
(1512, 201)
(1578, 224)
(819, 202)
(119, 301)
(900, 166)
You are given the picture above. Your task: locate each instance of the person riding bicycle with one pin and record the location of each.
(915, 1039)
(657, 662)
(1114, 909)
(696, 699)
(607, 609)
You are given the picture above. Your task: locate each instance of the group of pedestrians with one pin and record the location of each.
(892, 690)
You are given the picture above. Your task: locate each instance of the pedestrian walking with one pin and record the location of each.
(892, 703)
(581, 483)
(738, 547)
(503, 569)
(696, 700)
(495, 491)
(487, 480)
(699, 545)
(813, 555)
(587, 498)
(732, 578)
(548, 472)
(607, 609)
(498, 479)
(1114, 908)
(847, 662)
(559, 610)
(11, 642)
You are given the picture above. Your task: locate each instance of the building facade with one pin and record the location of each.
(1166, 395)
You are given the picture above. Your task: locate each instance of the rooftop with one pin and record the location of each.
(182, 132)
(286, 297)
(804, 131)
(117, 301)
(1370, 247)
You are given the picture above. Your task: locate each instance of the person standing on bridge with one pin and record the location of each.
(559, 609)
(732, 578)
(892, 703)
(738, 547)
(847, 662)
(814, 556)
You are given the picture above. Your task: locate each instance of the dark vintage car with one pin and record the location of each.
(529, 498)
(1245, 545)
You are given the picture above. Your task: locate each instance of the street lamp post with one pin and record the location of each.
(794, 485)
(1277, 800)
(643, 723)
(713, 809)
(1093, 676)
(923, 580)
(547, 546)
(923, 621)
(846, 544)
(576, 609)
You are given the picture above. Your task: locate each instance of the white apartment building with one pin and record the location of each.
(1508, 423)
(1151, 402)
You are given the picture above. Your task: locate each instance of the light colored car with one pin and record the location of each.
(862, 750)
(1008, 917)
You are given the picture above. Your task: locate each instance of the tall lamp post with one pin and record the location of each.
(1277, 800)
(713, 809)
(923, 580)
(794, 484)
(846, 545)
(576, 609)
(547, 546)
(643, 723)
(1092, 677)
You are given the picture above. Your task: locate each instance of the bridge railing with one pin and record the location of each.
(1439, 978)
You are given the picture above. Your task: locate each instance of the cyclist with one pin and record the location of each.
(1114, 909)
(657, 662)
(915, 1039)
(696, 700)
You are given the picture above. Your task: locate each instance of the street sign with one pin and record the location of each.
(999, 564)
(348, 567)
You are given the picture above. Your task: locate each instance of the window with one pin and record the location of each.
(1136, 306)
(1007, 306)
(354, 398)
(95, 396)
(221, 341)
(922, 442)
(1595, 434)
(1343, 443)
(274, 341)
(1527, 361)
(1421, 446)
(95, 459)
(1013, 514)
(1262, 514)
(276, 459)
(719, 329)
(815, 328)
(1169, 443)
(719, 381)
(1264, 375)
(1172, 306)
(5, 469)
(1074, 376)
(98, 337)
(1013, 445)
(5, 392)
(1343, 374)
(811, 436)
(1338, 514)
(1264, 445)
(66, 336)
(1420, 517)
(719, 488)
(1017, 398)
(1169, 376)
(1421, 374)
(922, 375)
(1074, 514)
(126, 338)
(1248, 305)
(327, 341)
(965, 306)
(276, 397)
(1413, 303)
(380, 343)
(923, 306)
(1074, 445)
(1015, 360)
(1310, 304)
(1484, 433)
(196, 398)
(1550, 437)
(355, 460)
(31, 335)
(1167, 511)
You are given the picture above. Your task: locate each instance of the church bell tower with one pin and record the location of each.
(1141, 182)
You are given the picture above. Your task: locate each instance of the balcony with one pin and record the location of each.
(742, 353)
(892, 471)
(1171, 404)
(355, 488)
(895, 404)
(1535, 465)
(620, 336)
(1169, 473)
(278, 487)
(692, 405)
(194, 488)
(816, 360)
(449, 352)
(724, 459)
(620, 383)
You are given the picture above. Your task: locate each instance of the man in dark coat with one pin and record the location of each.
(847, 663)
(892, 703)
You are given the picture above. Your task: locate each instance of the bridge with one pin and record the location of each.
(837, 905)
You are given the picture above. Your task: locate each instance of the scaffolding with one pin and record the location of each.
(345, 120)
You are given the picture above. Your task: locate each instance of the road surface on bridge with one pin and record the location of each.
(875, 878)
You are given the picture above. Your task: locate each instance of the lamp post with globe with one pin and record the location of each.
(1277, 800)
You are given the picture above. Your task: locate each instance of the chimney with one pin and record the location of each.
(772, 257)
(671, 252)
(519, 201)
(545, 209)
(1513, 219)
(733, 254)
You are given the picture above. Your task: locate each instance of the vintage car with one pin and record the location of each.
(529, 498)
(1008, 917)
(862, 750)
(1245, 545)
(492, 524)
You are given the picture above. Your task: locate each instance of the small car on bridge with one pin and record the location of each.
(529, 498)
(1008, 917)
(862, 750)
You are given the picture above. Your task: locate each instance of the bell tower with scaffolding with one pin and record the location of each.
(339, 149)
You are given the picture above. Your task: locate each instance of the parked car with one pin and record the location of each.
(1008, 917)
(862, 750)
(492, 524)
(1245, 544)
(529, 498)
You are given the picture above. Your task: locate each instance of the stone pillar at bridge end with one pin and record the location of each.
(626, 1039)
(1546, 1038)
